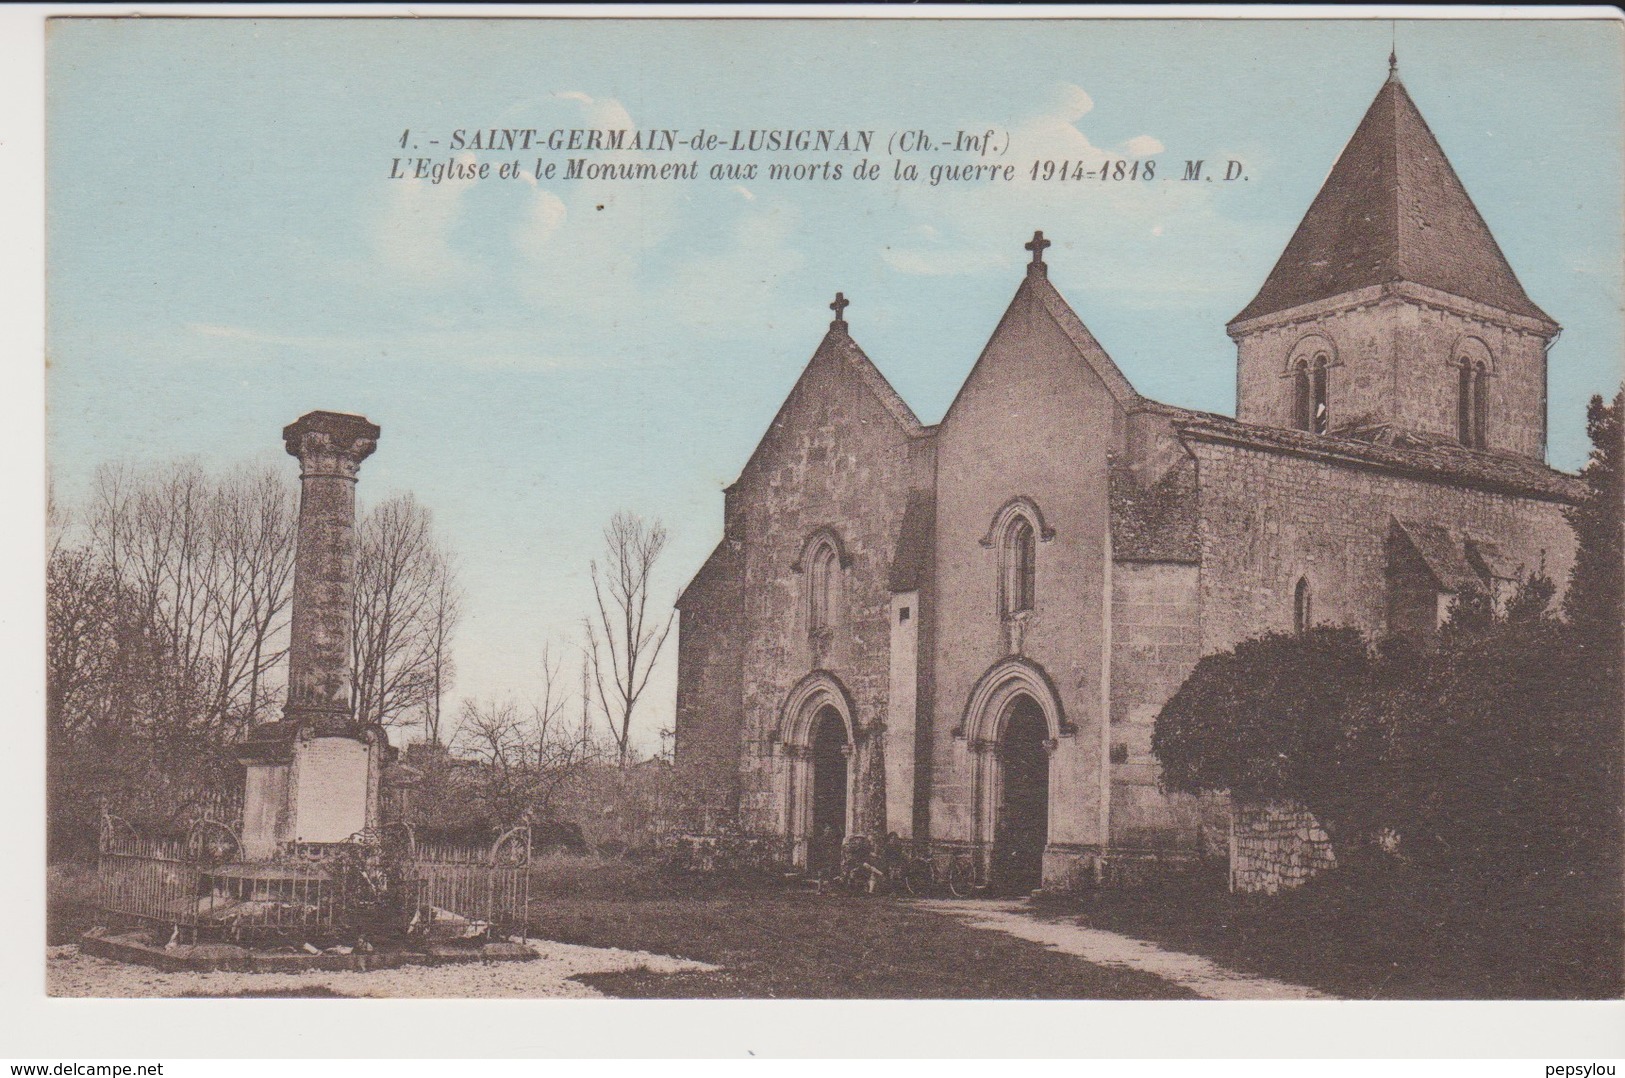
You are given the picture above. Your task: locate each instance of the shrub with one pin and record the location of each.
(1277, 718)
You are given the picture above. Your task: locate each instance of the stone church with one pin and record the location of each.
(962, 633)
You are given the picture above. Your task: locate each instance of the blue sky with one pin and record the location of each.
(226, 250)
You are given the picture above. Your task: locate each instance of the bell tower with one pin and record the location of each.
(1393, 314)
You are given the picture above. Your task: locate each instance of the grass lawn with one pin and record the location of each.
(1397, 935)
(790, 945)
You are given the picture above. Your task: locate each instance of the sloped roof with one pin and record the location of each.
(1055, 304)
(1035, 288)
(1442, 555)
(1156, 522)
(1407, 454)
(1392, 209)
(840, 341)
(838, 346)
(724, 560)
(912, 558)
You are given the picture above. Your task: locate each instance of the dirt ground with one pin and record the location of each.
(70, 973)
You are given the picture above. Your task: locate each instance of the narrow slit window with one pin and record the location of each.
(1464, 405)
(823, 583)
(1302, 607)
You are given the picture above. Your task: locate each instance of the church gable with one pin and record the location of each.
(840, 384)
(1040, 330)
(1022, 545)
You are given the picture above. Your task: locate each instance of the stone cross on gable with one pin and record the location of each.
(1036, 245)
(839, 307)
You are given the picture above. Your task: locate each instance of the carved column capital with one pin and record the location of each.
(330, 443)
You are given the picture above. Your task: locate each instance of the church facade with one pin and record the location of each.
(962, 633)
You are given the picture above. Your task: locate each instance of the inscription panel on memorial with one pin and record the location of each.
(332, 794)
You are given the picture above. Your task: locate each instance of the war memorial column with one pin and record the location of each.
(314, 775)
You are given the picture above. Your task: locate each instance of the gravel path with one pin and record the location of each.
(69, 973)
(1203, 976)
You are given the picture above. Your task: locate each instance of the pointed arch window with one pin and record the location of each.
(1302, 607)
(823, 586)
(1018, 566)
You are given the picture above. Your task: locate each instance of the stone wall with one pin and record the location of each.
(1394, 360)
(1156, 640)
(1271, 518)
(1275, 845)
(710, 698)
(840, 457)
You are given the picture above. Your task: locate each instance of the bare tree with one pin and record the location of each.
(167, 609)
(208, 565)
(525, 756)
(623, 641)
(168, 601)
(406, 608)
(444, 614)
(550, 708)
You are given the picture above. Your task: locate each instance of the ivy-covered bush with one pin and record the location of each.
(1280, 718)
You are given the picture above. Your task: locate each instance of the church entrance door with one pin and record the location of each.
(828, 831)
(1023, 821)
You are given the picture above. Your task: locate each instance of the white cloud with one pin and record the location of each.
(412, 233)
(514, 349)
(1074, 102)
(217, 331)
(544, 217)
(969, 229)
(710, 292)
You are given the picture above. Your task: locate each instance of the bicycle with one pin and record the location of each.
(966, 875)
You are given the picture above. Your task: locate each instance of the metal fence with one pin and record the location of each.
(147, 879)
(385, 880)
(472, 890)
(195, 883)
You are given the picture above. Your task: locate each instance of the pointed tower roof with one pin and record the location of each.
(1392, 209)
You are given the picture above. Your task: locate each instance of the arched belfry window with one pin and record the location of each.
(1309, 367)
(1472, 392)
(1473, 407)
(1321, 417)
(1018, 566)
(1303, 397)
(1302, 607)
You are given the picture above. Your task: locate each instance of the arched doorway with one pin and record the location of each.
(1023, 817)
(828, 830)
